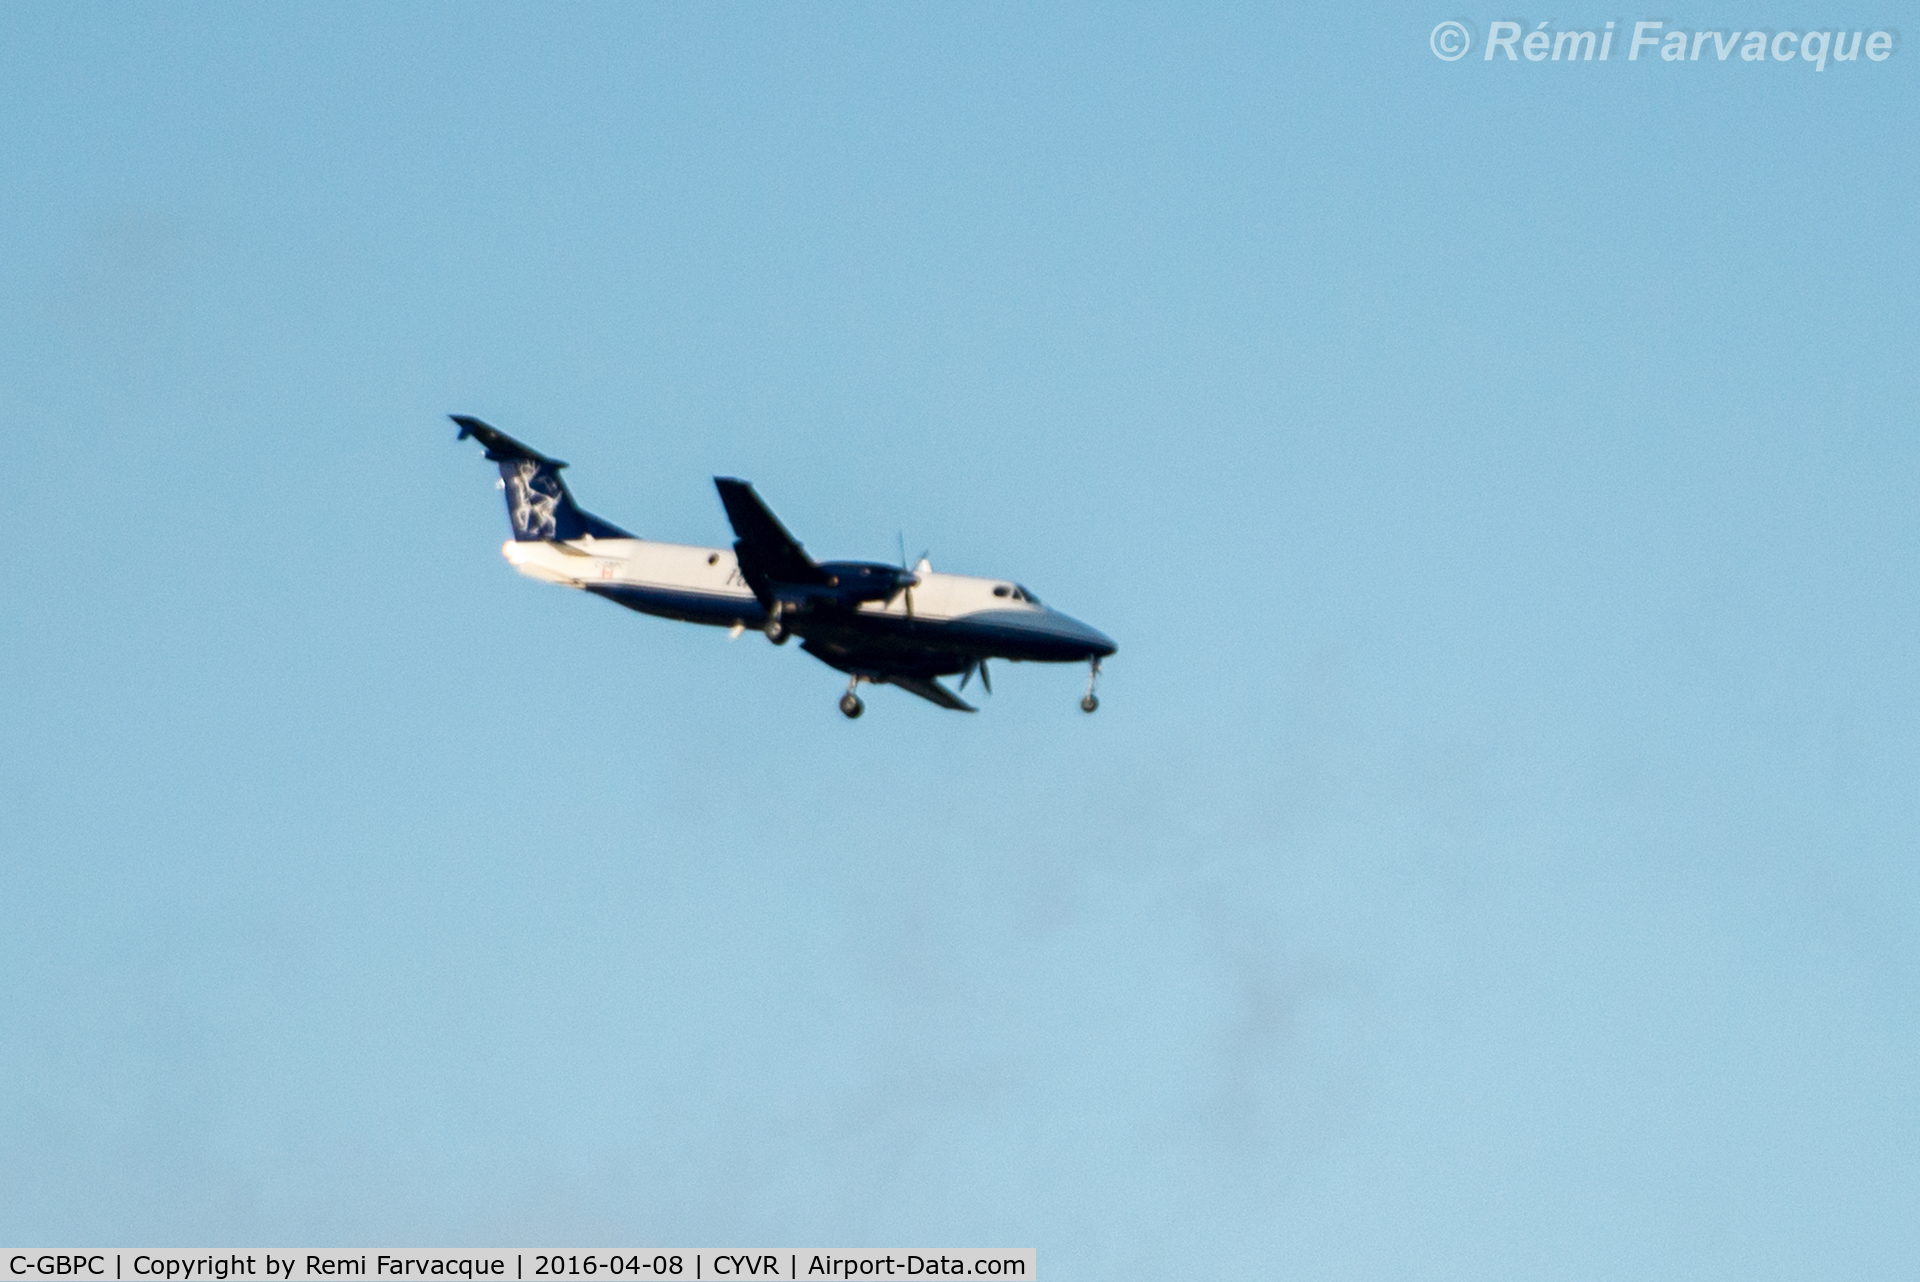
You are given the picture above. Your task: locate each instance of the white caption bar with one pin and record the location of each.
(603, 1264)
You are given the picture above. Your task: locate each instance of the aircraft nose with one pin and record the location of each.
(1096, 641)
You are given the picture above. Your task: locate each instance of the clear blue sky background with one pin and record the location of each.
(1495, 857)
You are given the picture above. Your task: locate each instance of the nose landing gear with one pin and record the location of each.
(850, 702)
(1090, 702)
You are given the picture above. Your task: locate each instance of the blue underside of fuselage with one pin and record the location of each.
(865, 642)
(720, 610)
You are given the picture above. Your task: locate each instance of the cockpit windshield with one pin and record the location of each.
(1013, 591)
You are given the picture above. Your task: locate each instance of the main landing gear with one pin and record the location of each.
(776, 630)
(1091, 701)
(850, 702)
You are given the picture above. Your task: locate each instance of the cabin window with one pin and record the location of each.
(713, 558)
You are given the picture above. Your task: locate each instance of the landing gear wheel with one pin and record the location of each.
(776, 631)
(851, 705)
(1090, 704)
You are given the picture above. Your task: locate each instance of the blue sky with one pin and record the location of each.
(1495, 852)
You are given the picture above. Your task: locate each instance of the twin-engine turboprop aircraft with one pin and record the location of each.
(878, 623)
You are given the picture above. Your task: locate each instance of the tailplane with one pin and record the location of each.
(538, 503)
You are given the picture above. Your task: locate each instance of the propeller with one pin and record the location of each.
(908, 577)
(980, 666)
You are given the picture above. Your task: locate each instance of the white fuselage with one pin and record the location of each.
(713, 573)
(988, 617)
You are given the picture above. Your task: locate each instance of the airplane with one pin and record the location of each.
(880, 624)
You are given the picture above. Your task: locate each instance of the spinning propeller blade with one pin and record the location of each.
(906, 588)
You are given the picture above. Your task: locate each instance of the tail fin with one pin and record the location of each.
(537, 500)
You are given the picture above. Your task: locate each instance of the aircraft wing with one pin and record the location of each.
(930, 690)
(767, 553)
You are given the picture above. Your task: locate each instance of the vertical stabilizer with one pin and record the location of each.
(538, 503)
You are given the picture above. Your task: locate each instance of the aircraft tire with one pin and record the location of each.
(777, 632)
(851, 705)
(1090, 704)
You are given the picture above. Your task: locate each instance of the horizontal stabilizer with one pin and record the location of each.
(501, 448)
